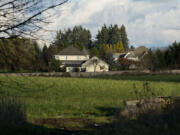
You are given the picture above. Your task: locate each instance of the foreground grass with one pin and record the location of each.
(82, 97)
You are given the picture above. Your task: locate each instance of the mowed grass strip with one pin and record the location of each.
(48, 97)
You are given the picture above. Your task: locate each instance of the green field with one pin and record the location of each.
(91, 98)
(78, 97)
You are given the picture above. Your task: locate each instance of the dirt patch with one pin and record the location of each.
(68, 124)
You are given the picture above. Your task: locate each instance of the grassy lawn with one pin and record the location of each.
(91, 98)
(81, 97)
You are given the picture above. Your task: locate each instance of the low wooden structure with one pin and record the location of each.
(133, 108)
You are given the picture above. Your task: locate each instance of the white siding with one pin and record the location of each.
(97, 68)
(90, 68)
(100, 67)
(133, 59)
(72, 57)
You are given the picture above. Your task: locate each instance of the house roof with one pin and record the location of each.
(71, 50)
(137, 54)
(140, 51)
(117, 55)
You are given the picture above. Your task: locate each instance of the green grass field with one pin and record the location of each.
(47, 97)
(56, 105)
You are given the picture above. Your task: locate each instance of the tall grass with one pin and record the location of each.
(12, 112)
(151, 117)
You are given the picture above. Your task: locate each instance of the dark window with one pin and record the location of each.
(102, 67)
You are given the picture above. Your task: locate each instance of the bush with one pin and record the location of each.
(54, 65)
(12, 112)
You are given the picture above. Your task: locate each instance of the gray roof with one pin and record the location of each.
(140, 51)
(71, 50)
(117, 55)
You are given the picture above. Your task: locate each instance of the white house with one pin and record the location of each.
(74, 59)
(95, 65)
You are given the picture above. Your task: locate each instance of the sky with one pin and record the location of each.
(152, 23)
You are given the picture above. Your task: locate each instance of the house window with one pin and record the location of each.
(102, 67)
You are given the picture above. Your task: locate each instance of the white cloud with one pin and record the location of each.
(148, 22)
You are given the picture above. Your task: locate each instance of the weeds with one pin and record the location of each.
(146, 91)
(12, 112)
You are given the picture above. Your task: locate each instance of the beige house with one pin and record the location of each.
(138, 54)
(75, 60)
(95, 65)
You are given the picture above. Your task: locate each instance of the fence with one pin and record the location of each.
(84, 74)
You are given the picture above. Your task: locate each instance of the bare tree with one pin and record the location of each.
(24, 17)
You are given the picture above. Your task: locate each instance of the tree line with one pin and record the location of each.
(159, 59)
(24, 55)
(108, 39)
(19, 54)
(165, 59)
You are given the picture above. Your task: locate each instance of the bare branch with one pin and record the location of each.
(19, 17)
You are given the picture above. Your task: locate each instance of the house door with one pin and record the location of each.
(69, 69)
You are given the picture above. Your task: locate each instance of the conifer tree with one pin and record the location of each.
(78, 36)
(124, 37)
(94, 52)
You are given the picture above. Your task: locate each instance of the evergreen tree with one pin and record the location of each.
(94, 52)
(172, 55)
(78, 36)
(132, 48)
(114, 37)
(103, 35)
(114, 34)
(124, 37)
(39, 63)
(160, 59)
(109, 35)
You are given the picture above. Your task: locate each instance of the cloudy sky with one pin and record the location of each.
(153, 23)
